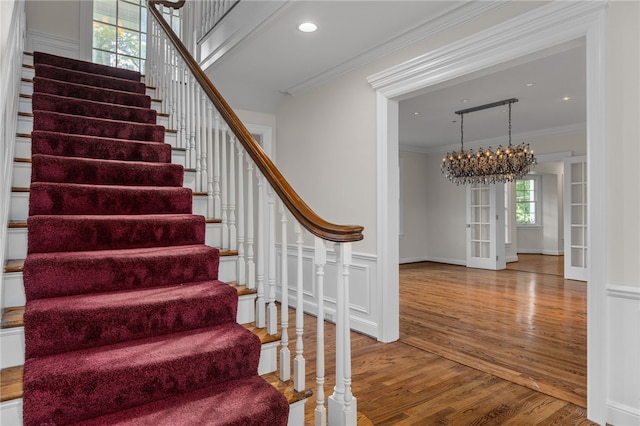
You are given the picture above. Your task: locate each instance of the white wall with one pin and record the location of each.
(6, 12)
(622, 207)
(414, 208)
(53, 26)
(445, 212)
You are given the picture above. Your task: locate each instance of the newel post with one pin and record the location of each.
(342, 404)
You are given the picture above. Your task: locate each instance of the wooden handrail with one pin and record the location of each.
(303, 213)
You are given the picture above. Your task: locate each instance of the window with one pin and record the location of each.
(528, 201)
(119, 33)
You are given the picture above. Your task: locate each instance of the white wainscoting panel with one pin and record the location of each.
(363, 297)
(39, 42)
(623, 402)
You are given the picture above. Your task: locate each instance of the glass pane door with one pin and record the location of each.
(485, 226)
(575, 219)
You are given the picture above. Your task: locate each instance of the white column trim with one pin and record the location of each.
(544, 27)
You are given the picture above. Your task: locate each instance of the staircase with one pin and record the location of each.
(118, 271)
(151, 252)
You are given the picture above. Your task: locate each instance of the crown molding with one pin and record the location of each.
(443, 64)
(456, 15)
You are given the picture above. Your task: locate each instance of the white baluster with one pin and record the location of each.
(299, 363)
(285, 355)
(251, 267)
(272, 310)
(233, 235)
(197, 137)
(350, 412)
(336, 400)
(224, 176)
(183, 136)
(211, 129)
(260, 301)
(241, 223)
(217, 202)
(191, 153)
(205, 146)
(320, 260)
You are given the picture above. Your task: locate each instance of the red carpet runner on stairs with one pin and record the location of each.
(126, 322)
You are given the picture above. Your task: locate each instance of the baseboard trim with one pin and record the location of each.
(618, 414)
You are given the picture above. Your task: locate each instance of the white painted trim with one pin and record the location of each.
(86, 31)
(48, 43)
(433, 25)
(624, 299)
(618, 414)
(459, 262)
(623, 292)
(413, 260)
(11, 412)
(388, 212)
(541, 28)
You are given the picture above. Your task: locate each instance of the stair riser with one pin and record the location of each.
(13, 342)
(23, 150)
(25, 125)
(25, 106)
(14, 290)
(19, 207)
(12, 350)
(17, 242)
(11, 413)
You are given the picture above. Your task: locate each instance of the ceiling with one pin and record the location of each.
(277, 60)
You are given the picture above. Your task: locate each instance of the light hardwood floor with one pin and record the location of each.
(476, 348)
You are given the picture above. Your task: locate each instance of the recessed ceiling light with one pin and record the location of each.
(416, 113)
(307, 27)
(566, 98)
(529, 85)
(465, 101)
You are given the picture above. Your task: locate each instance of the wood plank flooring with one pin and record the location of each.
(476, 348)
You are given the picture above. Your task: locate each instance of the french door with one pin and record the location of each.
(485, 226)
(575, 219)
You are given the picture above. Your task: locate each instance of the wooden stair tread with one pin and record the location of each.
(242, 289)
(12, 317)
(262, 333)
(20, 189)
(16, 224)
(286, 388)
(14, 265)
(21, 160)
(212, 220)
(11, 383)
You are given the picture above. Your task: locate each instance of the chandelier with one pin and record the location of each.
(504, 164)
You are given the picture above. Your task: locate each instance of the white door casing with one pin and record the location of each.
(546, 26)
